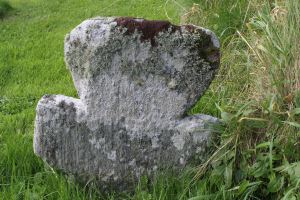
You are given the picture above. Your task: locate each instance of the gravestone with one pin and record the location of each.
(136, 80)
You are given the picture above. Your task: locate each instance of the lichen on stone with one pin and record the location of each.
(136, 80)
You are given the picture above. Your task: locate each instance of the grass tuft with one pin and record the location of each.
(259, 153)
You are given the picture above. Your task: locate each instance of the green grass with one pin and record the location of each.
(256, 93)
(257, 96)
(31, 65)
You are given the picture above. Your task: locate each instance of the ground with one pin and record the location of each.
(32, 64)
(256, 94)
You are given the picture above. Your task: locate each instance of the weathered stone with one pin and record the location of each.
(136, 80)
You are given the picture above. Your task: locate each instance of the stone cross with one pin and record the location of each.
(136, 80)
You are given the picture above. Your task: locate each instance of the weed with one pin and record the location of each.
(258, 157)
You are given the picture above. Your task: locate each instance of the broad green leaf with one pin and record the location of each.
(244, 185)
(295, 124)
(226, 117)
(296, 111)
(297, 170)
(259, 169)
(275, 183)
(263, 145)
(252, 187)
(228, 175)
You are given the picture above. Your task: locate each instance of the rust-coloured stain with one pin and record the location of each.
(148, 28)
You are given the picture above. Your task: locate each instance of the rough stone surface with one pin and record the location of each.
(136, 80)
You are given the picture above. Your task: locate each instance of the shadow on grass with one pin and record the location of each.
(5, 7)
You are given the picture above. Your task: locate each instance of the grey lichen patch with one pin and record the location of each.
(136, 80)
(172, 84)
